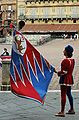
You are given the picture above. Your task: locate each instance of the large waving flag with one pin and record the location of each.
(30, 72)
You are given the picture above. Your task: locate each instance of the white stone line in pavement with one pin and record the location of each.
(59, 90)
(48, 91)
(5, 91)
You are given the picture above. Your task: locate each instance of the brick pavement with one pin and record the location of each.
(53, 52)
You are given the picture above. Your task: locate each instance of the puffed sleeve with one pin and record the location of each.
(64, 67)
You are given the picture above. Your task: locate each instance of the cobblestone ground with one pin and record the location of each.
(16, 108)
(53, 52)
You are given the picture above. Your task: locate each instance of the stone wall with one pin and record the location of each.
(5, 75)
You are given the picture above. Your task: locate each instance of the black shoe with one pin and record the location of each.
(71, 112)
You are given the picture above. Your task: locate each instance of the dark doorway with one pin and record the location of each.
(21, 24)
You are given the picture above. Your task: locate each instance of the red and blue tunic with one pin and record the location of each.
(66, 77)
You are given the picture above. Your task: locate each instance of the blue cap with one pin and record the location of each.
(69, 49)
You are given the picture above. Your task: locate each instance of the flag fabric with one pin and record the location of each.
(30, 72)
(3, 23)
(12, 25)
(6, 58)
(3, 58)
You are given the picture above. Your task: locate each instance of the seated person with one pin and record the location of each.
(5, 53)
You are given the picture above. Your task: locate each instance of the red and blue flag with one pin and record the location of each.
(30, 72)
